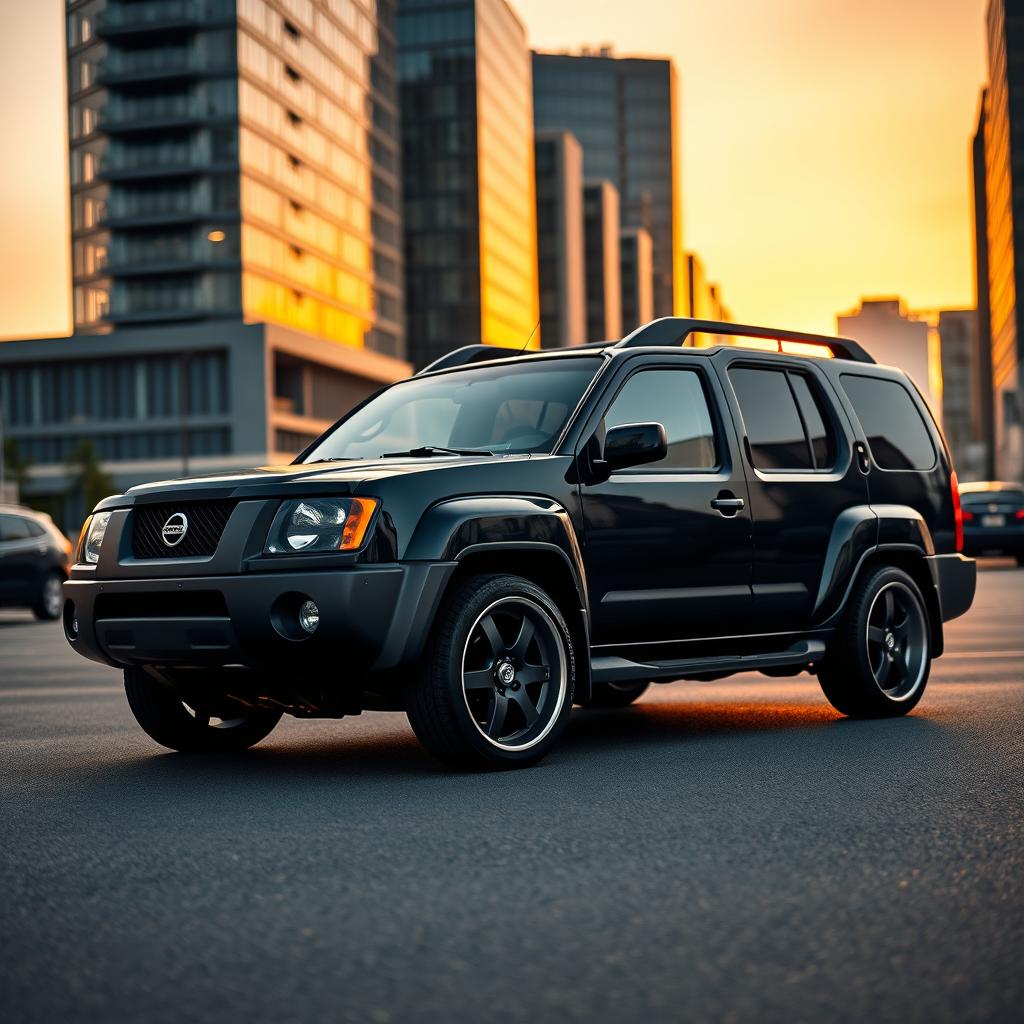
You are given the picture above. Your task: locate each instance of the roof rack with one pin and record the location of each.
(675, 330)
(470, 354)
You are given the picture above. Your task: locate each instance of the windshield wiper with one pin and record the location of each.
(432, 449)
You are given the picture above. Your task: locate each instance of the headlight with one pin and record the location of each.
(320, 524)
(91, 539)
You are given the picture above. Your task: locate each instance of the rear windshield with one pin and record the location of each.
(1007, 496)
(498, 409)
(894, 428)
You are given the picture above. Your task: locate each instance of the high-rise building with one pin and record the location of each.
(1004, 201)
(236, 257)
(624, 113)
(87, 146)
(603, 261)
(468, 185)
(241, 161)
(637, 278)
(982, 424)
(897, 338)
(560, 260)
(957, 329)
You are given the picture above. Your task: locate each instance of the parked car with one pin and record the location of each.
(994, 518)
(34, 561)
(505, 534)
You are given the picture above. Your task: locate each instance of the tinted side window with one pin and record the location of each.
(674, 398)
(816, 420)
(771, 419)
(894, 428)
(13, 528)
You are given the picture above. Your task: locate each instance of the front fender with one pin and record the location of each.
(456, 526)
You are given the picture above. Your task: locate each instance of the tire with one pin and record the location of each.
(878, 662)
(166, 718)
(49, 602)
(613, 695)
(495, 686)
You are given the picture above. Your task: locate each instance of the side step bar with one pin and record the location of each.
(613, 669)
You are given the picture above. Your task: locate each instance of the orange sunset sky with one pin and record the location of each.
(825, 146)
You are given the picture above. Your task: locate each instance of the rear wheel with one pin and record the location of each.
(49, 601)
(216, 725)
(613, 695)
(878, 662)
(495, 687)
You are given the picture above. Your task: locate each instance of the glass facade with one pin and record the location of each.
(244, 164)
(1003, 138)
(467, 138)
(624, 114)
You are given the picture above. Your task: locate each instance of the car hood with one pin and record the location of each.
(333, 477)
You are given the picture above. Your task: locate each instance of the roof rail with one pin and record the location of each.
(470, 354)
(675, 330)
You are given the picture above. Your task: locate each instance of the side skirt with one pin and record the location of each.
(616, 669)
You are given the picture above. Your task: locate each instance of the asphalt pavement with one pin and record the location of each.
(730, 851)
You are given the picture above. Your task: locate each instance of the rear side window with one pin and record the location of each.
(892, 423)
(775, 424)
(816, 420)
(674, 398)
(14, 528)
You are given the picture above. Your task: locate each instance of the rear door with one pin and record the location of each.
(663, 563)
(801, 472)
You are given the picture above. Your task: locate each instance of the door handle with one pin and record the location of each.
(727, 506)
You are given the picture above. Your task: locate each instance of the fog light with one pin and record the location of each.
(309, 616)
(70, 620)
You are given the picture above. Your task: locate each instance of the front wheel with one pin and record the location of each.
(495, 686)
(878, 662)
(219, 725)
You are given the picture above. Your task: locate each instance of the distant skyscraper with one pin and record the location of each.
(957, 329)
(895, 338)
(637, 278)
(470, 212)
(1004, 153)
(624, 114)
(560, 258)
(603, 261)
(236, 160)
(982, 424)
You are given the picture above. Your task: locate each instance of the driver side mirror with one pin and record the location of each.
(634, 444)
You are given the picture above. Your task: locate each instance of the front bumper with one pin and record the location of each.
(372, 618)
(956, 578)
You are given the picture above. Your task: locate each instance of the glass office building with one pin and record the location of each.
(624, 114)
(603, 261)
(245, 161)
(468, 182)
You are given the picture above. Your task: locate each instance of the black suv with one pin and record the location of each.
(505, 534)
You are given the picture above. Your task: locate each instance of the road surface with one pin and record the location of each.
(729, 851)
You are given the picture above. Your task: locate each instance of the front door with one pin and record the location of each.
(668, 545)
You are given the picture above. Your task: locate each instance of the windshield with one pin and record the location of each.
(497, 409)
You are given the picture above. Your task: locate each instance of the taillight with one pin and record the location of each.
(958, 512)
(1019, 514)
(967, 516)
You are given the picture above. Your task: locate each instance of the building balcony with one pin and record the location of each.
(187, 167)
(154, 64)
(161, 17)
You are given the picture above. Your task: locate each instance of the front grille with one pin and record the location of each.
(206, 522)
(184, 604)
